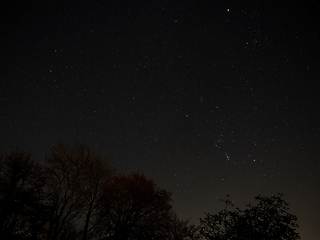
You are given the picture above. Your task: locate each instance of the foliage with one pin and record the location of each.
(179, 229)
(76, 196)
(269, 219)
(135, 208)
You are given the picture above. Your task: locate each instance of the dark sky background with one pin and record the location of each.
(207, 98)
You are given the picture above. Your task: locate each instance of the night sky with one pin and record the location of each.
(207, 98)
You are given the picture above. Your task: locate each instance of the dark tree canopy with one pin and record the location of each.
(22, 212)
(267, 220)
(77, 196)
(135, 208)
(76, 177)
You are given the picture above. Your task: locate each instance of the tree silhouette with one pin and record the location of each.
(76, 196)
(75, 179)
(96, 176)
(179, 229)
(135, 208)
(22, 212)
(269, 219)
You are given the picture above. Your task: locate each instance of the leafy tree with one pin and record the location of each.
(178, 229)
(269, 219)
(22, 213)
(135, 208)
